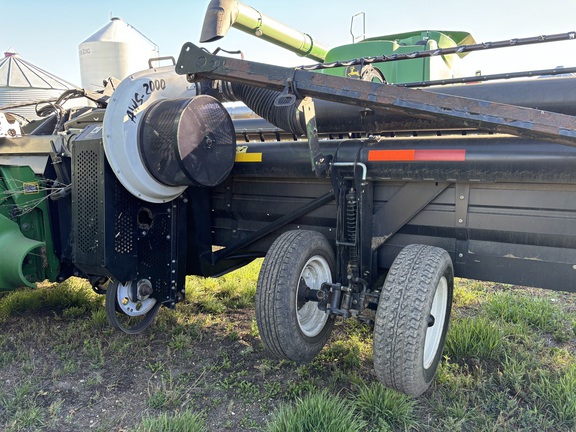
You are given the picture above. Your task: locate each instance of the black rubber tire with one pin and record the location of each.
(403, 314)
(276, 296)
(119, 320)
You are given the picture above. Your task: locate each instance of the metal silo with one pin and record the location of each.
(116, 50)
(21, 82)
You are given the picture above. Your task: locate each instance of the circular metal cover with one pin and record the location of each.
(188, 141)
(125, 111)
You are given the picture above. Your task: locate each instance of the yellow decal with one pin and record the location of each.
(31, 188)
(351, 72)
(248, 157)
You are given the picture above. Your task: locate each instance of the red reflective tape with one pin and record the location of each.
(440, 155)
(391, 155)
(452, 155)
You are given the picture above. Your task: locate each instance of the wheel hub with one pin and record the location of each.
(312, 320)
(139, 306)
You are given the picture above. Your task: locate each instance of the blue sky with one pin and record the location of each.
(47, 33)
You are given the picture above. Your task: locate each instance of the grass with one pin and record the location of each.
(385, 407)
(474, 338)
(71, 298)
(320, 411)
(510, 364)
(538, 313)
(556, 393)
(234, 290)
(186, 421)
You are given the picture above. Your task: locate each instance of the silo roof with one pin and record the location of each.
(17, 72)
(118, 30)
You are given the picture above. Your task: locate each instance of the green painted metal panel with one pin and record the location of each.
(25, 234)
(414, 70)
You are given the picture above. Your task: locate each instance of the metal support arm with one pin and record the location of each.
(198, 64)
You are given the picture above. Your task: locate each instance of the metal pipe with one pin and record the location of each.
(223, 14)
(479, 158)
(353, 164)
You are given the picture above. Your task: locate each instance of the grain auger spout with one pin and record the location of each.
(223, 14)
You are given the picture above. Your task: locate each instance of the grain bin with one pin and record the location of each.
(116, 50)
(21, 82)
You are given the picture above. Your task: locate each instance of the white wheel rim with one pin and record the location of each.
(434, 332)
(130, 307)
(312, 320)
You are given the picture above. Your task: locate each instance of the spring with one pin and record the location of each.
(351, 207)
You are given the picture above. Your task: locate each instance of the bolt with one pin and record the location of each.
(460, 220)
(461, 255)
(461, 197)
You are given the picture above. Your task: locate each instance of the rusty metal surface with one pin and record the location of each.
(198, 64)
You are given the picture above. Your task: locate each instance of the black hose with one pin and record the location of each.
(261, 101)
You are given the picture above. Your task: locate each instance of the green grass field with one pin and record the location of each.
(510, 365)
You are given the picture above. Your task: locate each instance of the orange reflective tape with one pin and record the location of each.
(440, 155)
(390, 155)
(451, 155)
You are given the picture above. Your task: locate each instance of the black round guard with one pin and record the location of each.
(188, 141)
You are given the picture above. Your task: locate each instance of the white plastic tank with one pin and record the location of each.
(116, 50)
(22, 82)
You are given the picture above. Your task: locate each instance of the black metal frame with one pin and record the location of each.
(117, 236)
(517, 231)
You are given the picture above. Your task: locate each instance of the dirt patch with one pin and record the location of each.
(64, 375)
(59, 373)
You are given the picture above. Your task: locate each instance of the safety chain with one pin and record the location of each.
(443, 51)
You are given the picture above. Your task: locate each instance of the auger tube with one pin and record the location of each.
(223, 14)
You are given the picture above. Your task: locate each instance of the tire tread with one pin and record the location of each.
(280, 270)
(404, 306)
